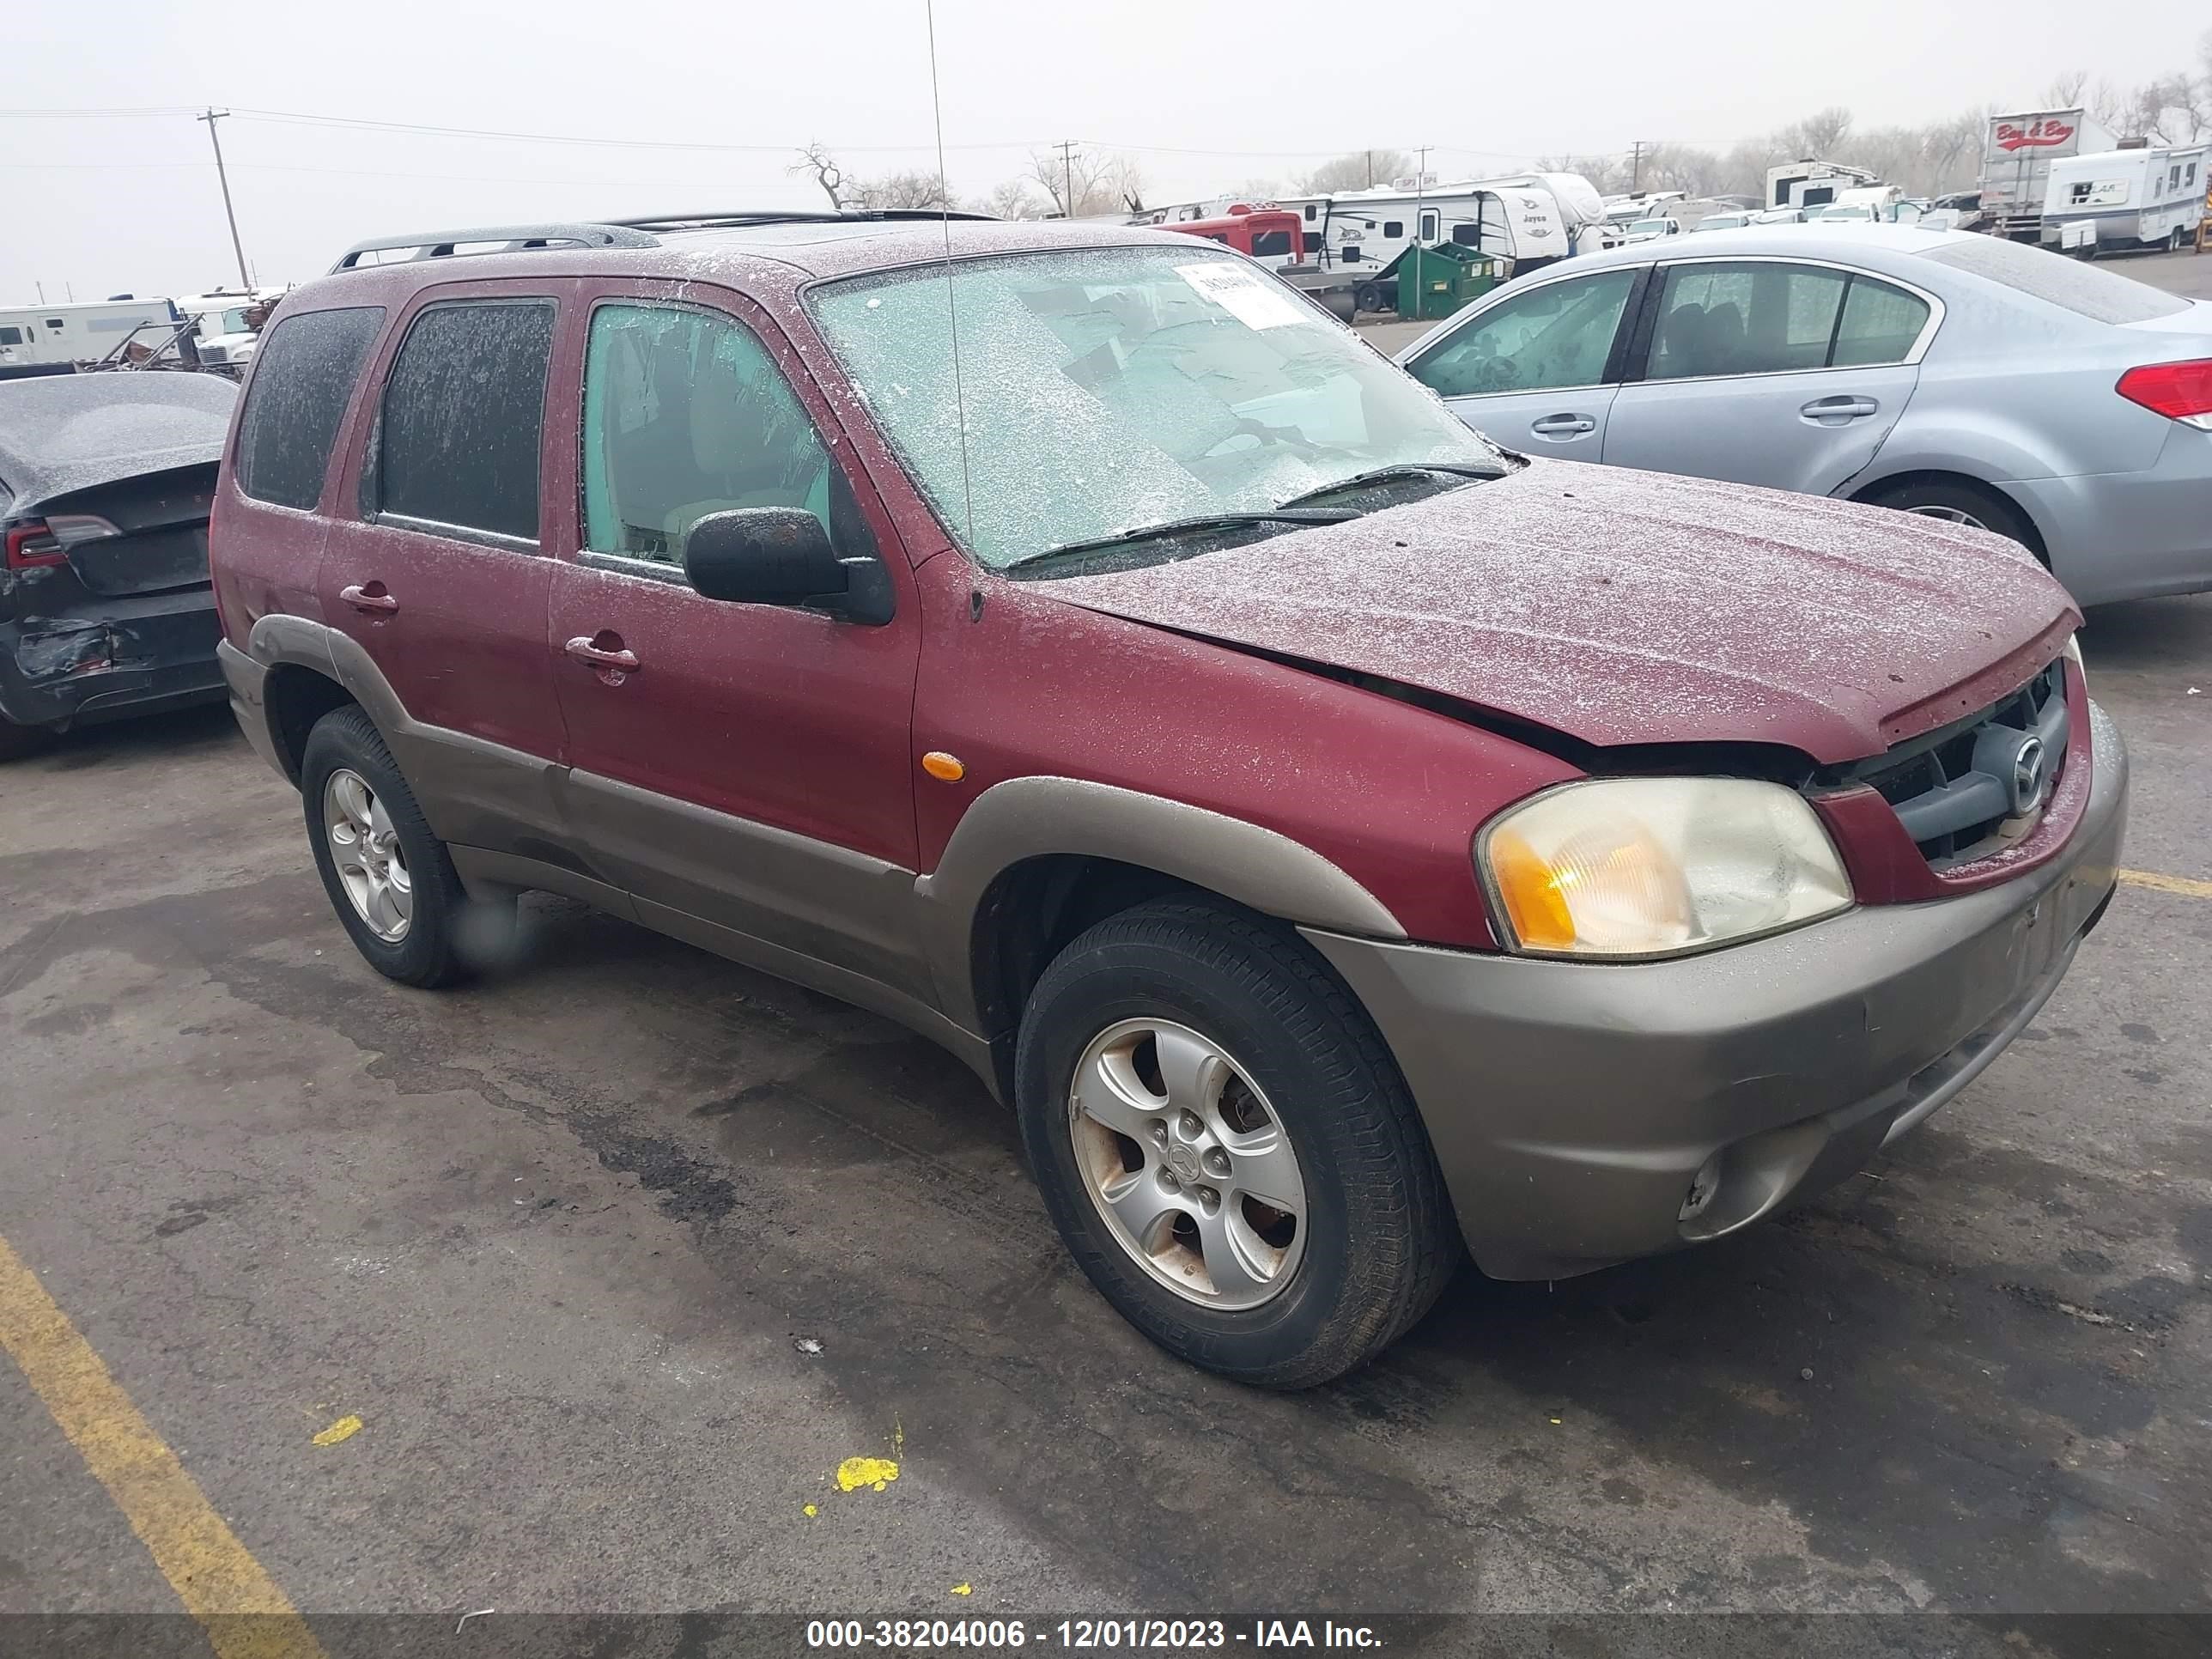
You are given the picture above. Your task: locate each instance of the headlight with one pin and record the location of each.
(2073, 655)
(1658, 866)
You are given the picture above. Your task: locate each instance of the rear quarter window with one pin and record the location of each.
(302, 380)
(2075, 285)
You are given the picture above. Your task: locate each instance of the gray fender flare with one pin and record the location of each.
(1032, 816)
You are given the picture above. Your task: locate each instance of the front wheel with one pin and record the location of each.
(1227, 1147)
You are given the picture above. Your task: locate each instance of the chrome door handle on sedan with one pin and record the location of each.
(1833, 411)
(1563, 426)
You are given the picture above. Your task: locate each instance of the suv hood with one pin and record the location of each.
(1623, 607)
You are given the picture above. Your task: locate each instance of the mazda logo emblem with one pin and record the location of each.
(2026, 776)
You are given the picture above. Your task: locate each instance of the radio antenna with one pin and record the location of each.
(951, 302)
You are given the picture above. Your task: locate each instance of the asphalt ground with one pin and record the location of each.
(569, 1293)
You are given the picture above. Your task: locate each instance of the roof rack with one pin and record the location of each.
(745, 217)
(616, 233)
(507, 238)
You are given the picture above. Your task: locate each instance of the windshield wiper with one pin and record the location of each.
(1402, 470)
(1287, 513)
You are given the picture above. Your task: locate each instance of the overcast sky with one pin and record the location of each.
(1206, 96)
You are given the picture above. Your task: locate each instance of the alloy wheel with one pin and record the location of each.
(365, 849)
(1187, 1163)
(1949, 515)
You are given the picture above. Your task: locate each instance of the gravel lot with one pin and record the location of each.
(564, 1243)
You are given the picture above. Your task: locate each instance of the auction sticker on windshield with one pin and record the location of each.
(1244, 294)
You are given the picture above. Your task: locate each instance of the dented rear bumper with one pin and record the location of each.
(129, 655)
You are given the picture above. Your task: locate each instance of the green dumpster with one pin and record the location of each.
(1435, 282)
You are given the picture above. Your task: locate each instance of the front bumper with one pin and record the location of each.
(1571, 1103)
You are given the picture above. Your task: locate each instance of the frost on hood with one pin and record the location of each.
(1628, 607)
(62, 433)
(1105, 389)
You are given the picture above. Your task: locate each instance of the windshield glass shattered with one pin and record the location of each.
(1110, 389)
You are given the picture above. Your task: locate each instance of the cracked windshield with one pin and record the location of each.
(1115, 390)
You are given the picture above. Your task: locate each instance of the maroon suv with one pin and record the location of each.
(1336, 837)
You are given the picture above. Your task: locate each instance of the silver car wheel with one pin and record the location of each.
(1949, 515)
(1189, 1166)
(365, 850)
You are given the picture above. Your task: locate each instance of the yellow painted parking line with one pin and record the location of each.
(2187, 886)
(245, 1614)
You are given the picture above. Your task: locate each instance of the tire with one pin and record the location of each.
(2175, 239)
(1368, 296)
(424, 931)
(1959, 503)
(16, 741)
(1305, 1293)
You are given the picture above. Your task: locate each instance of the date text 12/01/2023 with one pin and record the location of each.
(1084, 1635)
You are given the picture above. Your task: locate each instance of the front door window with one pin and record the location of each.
(686, 413)
(1547, 338)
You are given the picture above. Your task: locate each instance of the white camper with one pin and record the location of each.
(2124, 199)
(80, 333)
(1810, 185)
(1529, 219)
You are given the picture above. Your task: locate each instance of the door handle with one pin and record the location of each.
(1839, 408)
(1563, 426)
(613, 662)
(370, 601)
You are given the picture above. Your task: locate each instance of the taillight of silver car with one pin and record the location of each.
(2181, 391)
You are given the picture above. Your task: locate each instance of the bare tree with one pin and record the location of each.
(2065, 91)
(817, 159)
(1356, 170)
(1819, 135)
(1952, 151)
(1081, 185)
(916, 189)
(1010, 198)
(1607, 173)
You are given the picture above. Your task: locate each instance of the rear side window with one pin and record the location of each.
(1880, 324)
(1744, 319)
(464, 414)
(2087, 290)
(306, 374)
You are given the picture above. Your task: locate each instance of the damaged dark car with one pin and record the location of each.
(105, 607)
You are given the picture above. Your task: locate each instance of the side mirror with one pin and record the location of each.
(764, 555)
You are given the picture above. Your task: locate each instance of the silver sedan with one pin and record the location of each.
(2060, 403)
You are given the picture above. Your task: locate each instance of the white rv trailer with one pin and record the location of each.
(1810, 184)
(1529, 219)
(79, 333)
(2125, 198)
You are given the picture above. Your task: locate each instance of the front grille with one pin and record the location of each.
(1963, 791)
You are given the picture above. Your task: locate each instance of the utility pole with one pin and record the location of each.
(1636, 165)
(224, 178)
(1370, 169)
(1066, 147)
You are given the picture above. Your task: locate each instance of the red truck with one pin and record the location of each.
(1277, 238)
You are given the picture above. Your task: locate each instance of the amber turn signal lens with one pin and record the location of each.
(938, 764)
(1530, 889)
